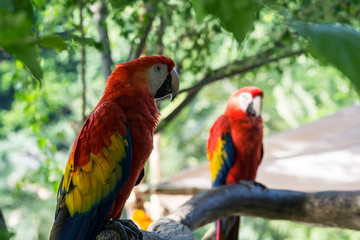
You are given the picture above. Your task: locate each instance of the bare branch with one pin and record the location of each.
(167, 189)
(99, 10)
(160, 34)
(2, 222)
(83, 61)
(142, 44)
(232, 69)
(332, 209)
(247, 65)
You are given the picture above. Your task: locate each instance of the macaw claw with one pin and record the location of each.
(125, 228)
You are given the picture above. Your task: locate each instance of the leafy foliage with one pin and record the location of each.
(335, 44)
(235, 16)
(38, 124)
(16, 35)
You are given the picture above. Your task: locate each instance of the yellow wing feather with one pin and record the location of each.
(217, 160)
(88, 184)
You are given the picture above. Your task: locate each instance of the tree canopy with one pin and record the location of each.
(56, 55)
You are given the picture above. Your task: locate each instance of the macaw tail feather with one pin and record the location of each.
(227, 228)
(82, 226)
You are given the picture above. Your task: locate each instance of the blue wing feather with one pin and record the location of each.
(88, 224)
(227, 155)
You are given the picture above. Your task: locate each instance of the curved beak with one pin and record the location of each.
(169, 87)
(175, 84)
(255, 106)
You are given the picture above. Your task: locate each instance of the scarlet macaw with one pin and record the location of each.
(235, 148)
(109, 153)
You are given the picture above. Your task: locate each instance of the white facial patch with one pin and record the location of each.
(244, 100)
(156, 75)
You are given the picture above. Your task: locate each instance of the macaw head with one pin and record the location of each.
(155, 73)
(245, 103)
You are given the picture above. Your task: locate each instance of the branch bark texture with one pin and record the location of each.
(331, 208)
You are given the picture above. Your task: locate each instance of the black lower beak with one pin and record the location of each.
(250, 110)
(165, 88)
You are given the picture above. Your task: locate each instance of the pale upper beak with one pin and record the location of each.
(255, 106)
(175, 84)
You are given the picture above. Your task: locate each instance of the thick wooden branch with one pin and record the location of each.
(332, 208)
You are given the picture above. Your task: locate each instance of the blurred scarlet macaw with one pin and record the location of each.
(235, 148)
(108, 156)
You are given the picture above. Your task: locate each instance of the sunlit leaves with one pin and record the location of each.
(16, 35)
(27, 54)
(199, 9)
(52, 41)
(337, 45)
(235, 16)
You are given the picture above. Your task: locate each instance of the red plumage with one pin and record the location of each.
(128, 87)
(235, 147)
(112, 147)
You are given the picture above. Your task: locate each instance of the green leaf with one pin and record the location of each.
(199, 10)
(17, 36)
(39, 3)
(337, 45)
(4, 235)
(81, 40)
(52, 41)
(235, 16)
(28, 55)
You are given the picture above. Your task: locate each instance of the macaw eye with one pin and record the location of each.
(157, 68)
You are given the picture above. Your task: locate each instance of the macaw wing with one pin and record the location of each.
(220, 151)
(98, 167)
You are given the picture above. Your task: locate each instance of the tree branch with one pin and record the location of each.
(83, 60)
(247, 65)
(2, 222)
(160, 34)
(142, 44)
(99, 10)
(331, 208)
(167, 189)
(234, 68)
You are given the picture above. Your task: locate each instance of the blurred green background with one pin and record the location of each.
(54, 60)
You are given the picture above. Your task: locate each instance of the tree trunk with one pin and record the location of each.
(83, 62)
(99, 10)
